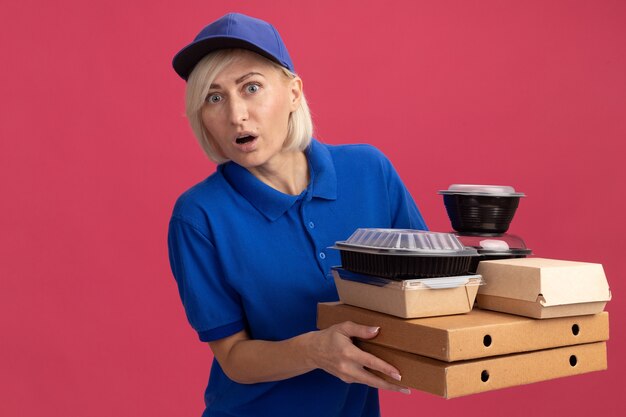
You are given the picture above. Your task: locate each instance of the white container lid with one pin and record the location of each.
(482, 190)
(411, 284)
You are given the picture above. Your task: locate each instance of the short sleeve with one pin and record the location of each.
(404, 212)
(212, 306)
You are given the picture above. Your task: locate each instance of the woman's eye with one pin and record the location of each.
(214, 98)
(252, 88)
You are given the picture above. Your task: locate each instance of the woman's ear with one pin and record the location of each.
(295, 93)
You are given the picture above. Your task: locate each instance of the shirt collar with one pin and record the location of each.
(272, 203)
(322, 169)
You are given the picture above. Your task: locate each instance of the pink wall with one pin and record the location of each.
(94, 150)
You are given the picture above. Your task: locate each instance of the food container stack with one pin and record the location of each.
(533, 287)
(539, 319)
(406, 273)
(481, 216)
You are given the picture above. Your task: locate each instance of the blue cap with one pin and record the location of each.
(233, 30)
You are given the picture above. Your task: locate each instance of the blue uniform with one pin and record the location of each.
(246, 256)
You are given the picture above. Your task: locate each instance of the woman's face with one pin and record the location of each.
(247, 108)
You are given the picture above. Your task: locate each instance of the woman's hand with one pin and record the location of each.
(332, 350)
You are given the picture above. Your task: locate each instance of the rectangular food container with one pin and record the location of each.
(414, 298)
(543, 288)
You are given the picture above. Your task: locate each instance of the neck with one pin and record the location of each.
(288, 174)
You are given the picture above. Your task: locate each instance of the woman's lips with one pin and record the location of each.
(246, 143)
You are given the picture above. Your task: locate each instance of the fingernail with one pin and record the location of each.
(373, 329)
(396, 376)
(405, 391)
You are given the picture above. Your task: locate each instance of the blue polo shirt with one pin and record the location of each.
(246, 256)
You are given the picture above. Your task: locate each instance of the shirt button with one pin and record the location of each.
(311, 225)
(322, 255)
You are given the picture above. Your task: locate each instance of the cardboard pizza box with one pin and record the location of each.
(477, 334)
(456, 379)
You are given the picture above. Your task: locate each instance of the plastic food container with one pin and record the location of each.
(409, 298)
(402, 253)
(481, 209)
(492, 248)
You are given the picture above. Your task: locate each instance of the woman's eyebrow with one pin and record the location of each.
(245, 77)
(238, 80)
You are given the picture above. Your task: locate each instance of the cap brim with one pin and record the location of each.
(187, 58)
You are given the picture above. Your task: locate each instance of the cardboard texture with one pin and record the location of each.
(456, 379)
(477, 334)
(409, 303)
(543, 288)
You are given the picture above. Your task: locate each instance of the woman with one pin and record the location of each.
(249, 245)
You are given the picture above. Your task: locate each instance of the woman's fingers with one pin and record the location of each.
(353, 371)
(352, 329)
(366, 359)
(370, 361)
(365, 377)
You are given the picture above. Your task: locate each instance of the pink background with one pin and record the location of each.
(94, 149)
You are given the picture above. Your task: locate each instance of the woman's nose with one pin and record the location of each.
(238, 110)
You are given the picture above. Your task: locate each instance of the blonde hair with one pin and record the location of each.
(300, 124)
